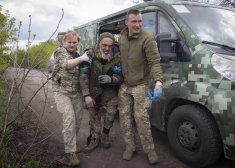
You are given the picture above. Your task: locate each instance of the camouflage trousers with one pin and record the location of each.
(72, 110)
(134, 105)
(109, 108)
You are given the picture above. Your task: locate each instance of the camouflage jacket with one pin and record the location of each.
(65, 80)
(140, 58)
(89, 80)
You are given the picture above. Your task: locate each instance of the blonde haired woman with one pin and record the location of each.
(68, 95)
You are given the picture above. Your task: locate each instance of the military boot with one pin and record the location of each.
(127, 155)
(69, 159)
(153, 158)
(105, 143)
(93, 144)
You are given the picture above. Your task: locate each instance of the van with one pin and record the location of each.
(196, 42)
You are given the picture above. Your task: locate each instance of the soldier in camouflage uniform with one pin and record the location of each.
(67, 94)
(100, 89)
(139, 58)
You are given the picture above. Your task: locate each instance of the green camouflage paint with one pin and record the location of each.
(88, 36)
(59, 38)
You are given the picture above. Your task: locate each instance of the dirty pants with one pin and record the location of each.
(70, 105)
(110, 108)
(133, 104)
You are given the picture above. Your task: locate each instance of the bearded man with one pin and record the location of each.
(100, 84)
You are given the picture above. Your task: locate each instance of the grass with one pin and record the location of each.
(9, 152)
(9, 155)
(33, 163)
(3, 94)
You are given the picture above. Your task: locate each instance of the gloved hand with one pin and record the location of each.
(104, 79)
(155, 95)
(117, 69)
(85, 58)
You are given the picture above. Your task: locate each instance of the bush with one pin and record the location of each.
(9, 152)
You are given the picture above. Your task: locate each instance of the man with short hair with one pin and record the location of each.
(100, 89)
(139, 59)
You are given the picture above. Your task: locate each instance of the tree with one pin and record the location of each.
(21, 58)
(14, 106)
(7, 38)
(36, 61)
(41, 61)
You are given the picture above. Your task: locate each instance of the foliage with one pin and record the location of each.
(7, 38)
(36, 56)
(34, 53)
(21, 58)
(3, 90)
(44, 56)
(3, 95)
(32, 163)
(9, 156)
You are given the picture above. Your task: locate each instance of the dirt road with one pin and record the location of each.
(49, 140)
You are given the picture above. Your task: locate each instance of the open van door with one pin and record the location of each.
(88, 34)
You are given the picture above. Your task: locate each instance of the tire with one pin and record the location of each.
(193, 136)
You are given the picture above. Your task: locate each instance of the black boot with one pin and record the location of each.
(94, 142)
(105, 143)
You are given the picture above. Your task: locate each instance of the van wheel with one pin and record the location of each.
(193, 136)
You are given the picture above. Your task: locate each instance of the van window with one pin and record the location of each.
(164, 25)
(149, 20)
(210, 24)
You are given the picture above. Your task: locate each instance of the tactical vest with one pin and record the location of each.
(100, 67)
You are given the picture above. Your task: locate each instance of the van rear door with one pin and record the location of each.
(88, 34)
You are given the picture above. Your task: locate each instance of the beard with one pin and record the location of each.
(105, 56)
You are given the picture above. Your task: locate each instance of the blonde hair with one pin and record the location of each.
(70, 34)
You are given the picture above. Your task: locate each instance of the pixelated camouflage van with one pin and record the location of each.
(197, 46)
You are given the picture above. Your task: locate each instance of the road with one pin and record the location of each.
(50, 140)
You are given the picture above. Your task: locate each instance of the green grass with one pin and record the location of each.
(3, 89)
(3, 94)
(9, 154)
(33, 163)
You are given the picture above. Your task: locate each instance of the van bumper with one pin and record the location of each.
(221, 103)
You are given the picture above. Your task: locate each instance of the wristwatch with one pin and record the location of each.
(159, 83)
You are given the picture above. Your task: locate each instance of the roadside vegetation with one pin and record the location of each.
(12, 108)
(30, 57)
